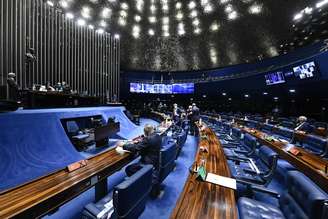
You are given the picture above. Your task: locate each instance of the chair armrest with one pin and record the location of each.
(261, 189)
(241, 151)
(250, 171)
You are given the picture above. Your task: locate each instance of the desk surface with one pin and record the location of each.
(49, 192)
(205, 200)
(310, 164)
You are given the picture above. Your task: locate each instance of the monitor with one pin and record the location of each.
(181, 88)
(274, 78)
(304, 71)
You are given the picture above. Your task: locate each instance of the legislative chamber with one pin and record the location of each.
(164, 109)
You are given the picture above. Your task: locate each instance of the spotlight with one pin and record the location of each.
(292, 91)
(50, 3)
(117, 36)
(69, 15)
(81, 22)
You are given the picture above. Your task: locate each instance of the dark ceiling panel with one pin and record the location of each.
(175, 35)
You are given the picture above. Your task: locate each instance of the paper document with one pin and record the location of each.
(221, 180)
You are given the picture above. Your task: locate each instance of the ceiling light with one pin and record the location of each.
(121, 21)
(116, 36)
(208, 8)
(228, 8)
(124, 6)
(308, 10)
(152, 19)
(63, 3)
(193, 13)
(50, 3)
(166, 34)
(214, 27)
(298, 16)
(178, 5)
(100, 31)
(233, 15)
(224, 94)
(151, 32)
(192, 5)
(265, 93)
(276, 98)
(179, 16)
(137, 18)
(165, 20)
(69, 15)
(106, 13)
(255, 9)
(292, 91)
(195, 22)
(321, 3)
(197, 30)
(81, 22)
(103, 24)
(85, 12)
(246, 95)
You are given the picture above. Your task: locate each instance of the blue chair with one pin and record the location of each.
(246, 148)
(167, 158)
(315, 144)
(259, 170)
(127, 200)
(302, 200)
(284, 133)
(267, 128)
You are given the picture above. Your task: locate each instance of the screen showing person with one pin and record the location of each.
(305, 71)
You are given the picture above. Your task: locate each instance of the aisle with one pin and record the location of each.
(162, 207)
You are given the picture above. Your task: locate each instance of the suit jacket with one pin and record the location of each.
(195, 113)
(149, 149)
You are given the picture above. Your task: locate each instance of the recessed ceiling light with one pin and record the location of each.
(81, 22)
(69, 15)
(151, 32)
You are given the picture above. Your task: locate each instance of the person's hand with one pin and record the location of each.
(120, 144)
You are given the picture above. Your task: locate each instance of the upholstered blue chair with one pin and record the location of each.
(167, 158)
(127, 200)
(284, 133)
(302, 200)
(259, 170)
(315, 144)
(267, 128)
(246, 148)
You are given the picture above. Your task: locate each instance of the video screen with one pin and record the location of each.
(305, 71)
(183, 88)
(274, 78)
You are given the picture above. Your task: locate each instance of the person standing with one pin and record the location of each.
(195, 116)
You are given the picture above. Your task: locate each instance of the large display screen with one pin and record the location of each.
(275, 78)
(305, 71)
(183, 88)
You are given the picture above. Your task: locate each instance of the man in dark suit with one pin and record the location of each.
(176, 114)
(148, 148)
(12, 87)
(195, 115)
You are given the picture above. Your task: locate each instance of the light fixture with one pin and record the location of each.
(151, 32)
(50, 3)
(265, 93)
(292, 91)
(81, 22)
(100, 31)
(321, 3)
(116, 36)
(69, 15)
(91, 27)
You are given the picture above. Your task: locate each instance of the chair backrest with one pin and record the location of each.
(304, 198)
(287, 124)
(270, 159)
(130, 196)
(72, 127)
(316, 142)
(236, 132)
(285, 132)
(166, 160)
(250, 141)
(267, 127)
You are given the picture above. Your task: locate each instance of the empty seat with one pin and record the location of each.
(166, 161)
(247, 147)
(127, 200)
(315, 144)
(302, 200)
(284, 132)
(259, 170)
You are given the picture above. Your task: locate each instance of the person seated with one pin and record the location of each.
(149, 148)
(49, 87)
(12, 88)
(302, 124)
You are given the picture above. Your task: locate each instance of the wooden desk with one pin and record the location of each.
(310, 164)
(206, 200)
(43, 195)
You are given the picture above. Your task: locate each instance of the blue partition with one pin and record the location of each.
(33, 143)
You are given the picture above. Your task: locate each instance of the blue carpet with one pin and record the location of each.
(161, 208)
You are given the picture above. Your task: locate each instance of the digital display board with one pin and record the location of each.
(182, 88)
(304, 71)
(275, 78)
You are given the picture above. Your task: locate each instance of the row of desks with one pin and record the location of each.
(202, 199)
(313, 166)
(43, 195)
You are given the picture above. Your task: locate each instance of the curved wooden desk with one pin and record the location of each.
(202, 199)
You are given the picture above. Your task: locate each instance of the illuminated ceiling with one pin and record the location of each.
(175, 35)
